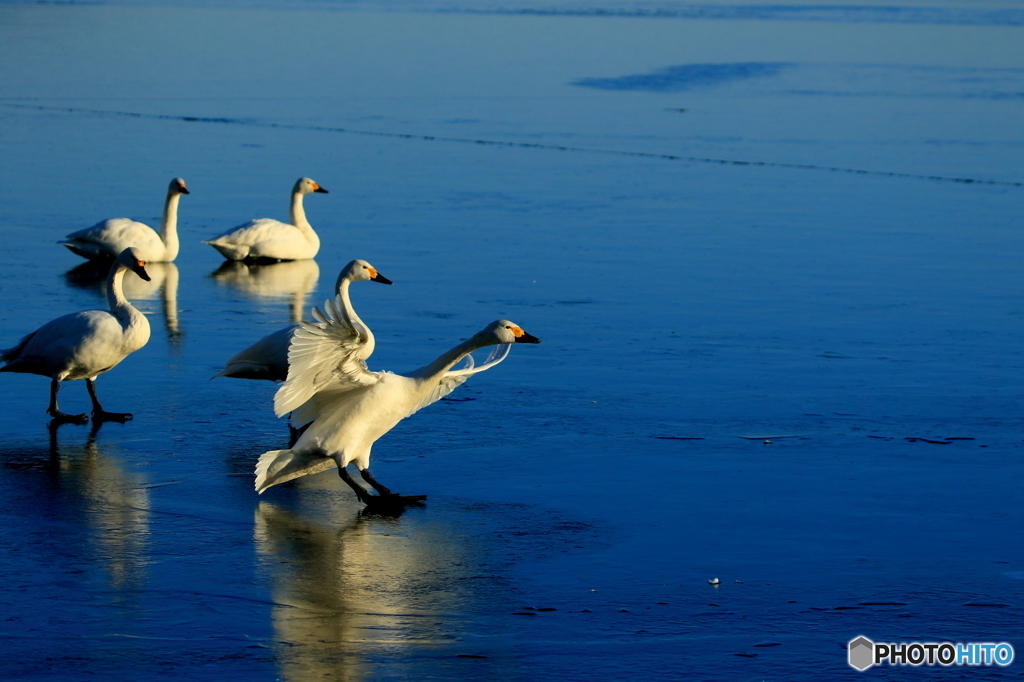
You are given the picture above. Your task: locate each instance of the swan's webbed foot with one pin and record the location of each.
(392, 502)
(61, 418)
(98, 413)
(104, 416)
(405, 500)
(385, 500)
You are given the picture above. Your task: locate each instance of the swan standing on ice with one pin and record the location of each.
(269, 239)
(83, 345)
(268, 357)
(108, 238)
(351, 407)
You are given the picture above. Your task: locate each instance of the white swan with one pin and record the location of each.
(351, 407)
(268, 239)
(83, 345)
(108, 238)
(268, 357)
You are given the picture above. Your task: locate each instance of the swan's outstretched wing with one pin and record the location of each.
(456, 377)
(323, 355)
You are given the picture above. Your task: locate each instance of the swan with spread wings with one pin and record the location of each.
(268, 357)
(350, 407)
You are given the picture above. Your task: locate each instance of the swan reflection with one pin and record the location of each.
(163, 285)
(114, 506)
(343, 589)
(291, 280)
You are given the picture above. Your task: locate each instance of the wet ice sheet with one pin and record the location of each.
(676, 300)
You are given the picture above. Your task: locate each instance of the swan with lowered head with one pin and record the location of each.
(269, 239)
(108, 238)
(83, 345)
(268, 357)
(351, 407)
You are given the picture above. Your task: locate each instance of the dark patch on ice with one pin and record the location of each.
(992, 606)
(686, 77)
(882, 603)
(910, 439)
(767, 437)
(769, 644)
(678, 437)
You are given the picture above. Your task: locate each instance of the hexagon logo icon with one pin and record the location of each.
(861, 653)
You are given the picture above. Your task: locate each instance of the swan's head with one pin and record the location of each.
(177, 186)
(307, 185)
(503, 331)
(361, 271)
(130, 258)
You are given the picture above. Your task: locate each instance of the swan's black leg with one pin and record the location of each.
(59, 416)
(361, 492)
(368, 477)
(387, 497)
(98, 413)
(295, 433)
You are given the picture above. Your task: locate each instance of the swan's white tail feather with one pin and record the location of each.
(278, 466)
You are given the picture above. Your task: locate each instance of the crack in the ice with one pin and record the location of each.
(525, 145)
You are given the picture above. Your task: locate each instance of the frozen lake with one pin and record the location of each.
(774, 255)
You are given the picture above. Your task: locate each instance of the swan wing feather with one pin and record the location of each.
(452, 379)
(323, 355)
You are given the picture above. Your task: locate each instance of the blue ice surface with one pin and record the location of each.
(827, 259)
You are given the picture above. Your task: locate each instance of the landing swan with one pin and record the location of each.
(83, 345)
(268, 357)
(107, 238)
(269, 239)
(351, 407)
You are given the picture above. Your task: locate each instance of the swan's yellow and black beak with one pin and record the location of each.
(140, 269)
(523, 337)
(182, 189)
(377, 277)
(318, 188)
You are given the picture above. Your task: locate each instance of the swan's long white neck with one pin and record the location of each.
(169, 228)
(299, 219)
(115, 289)
(434, 370)
(350, 316)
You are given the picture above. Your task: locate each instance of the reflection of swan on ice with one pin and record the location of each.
(163, 285)
(342, 590)
(115, 507)
(293, 280)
